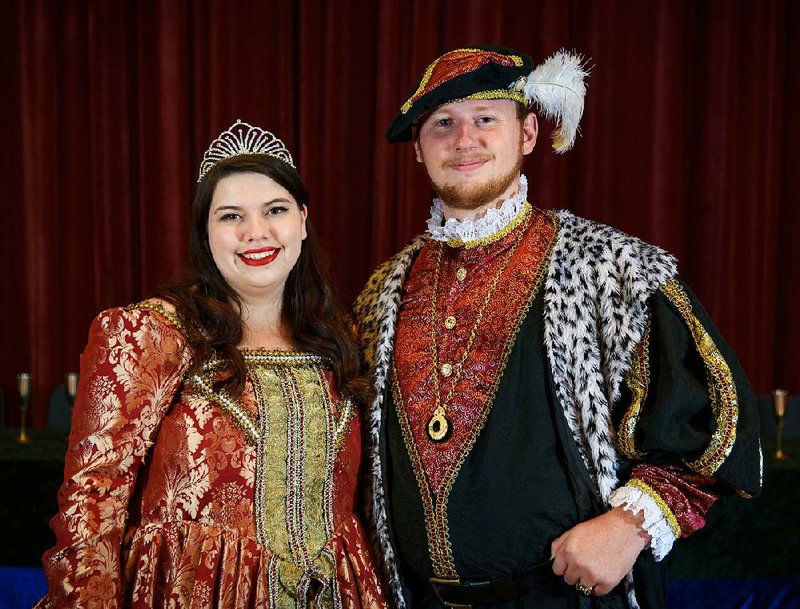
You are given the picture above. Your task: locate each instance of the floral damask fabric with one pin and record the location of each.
(169, 500)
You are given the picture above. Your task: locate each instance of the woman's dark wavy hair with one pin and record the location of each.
(211, 310)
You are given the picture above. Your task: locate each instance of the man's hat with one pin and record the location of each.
(493, 72)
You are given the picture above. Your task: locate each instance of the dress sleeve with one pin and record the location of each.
(689, 423)
(131, 370)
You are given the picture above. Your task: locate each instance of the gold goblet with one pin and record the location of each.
(779, 399)
(24, 389)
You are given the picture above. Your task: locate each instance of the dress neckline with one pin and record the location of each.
(280, 356)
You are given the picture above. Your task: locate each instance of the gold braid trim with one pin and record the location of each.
(516, 59)
(154, 305)
(347, 412)
(247, 421)
(278, 357)
(516, 96)
(638, 381)
(262, 424)
(662, 505)
(244, 419)
(721, 388)
(511, 94)
(441, 558)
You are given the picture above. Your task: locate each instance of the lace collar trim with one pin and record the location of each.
(493, 223)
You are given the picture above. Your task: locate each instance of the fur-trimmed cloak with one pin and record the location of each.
(595, 313)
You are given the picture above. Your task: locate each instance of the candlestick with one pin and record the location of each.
(779, 399)
(24, 388)
(71, 384)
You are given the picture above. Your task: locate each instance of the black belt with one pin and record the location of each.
(462, 595)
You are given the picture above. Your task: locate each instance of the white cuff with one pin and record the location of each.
(655, 521)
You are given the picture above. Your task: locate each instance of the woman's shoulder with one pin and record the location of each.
(155, 314)
(145, 333)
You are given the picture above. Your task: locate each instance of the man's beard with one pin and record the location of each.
(464, 196)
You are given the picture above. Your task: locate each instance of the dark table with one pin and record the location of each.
(30, 475)
(758, 537)
(748, 554)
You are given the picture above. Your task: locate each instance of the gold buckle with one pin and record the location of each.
(448, 581)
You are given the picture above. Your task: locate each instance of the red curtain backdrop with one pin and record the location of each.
(690, 141)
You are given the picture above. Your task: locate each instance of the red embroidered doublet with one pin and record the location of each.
(465, 278)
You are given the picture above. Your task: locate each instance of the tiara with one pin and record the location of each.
(242, 138)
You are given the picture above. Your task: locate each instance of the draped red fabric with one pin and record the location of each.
(689, 141)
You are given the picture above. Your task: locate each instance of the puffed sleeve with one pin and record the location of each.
(131, 370)
(689, 423)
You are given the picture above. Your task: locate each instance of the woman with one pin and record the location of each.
(215, 445)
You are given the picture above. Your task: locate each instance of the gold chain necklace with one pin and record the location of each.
(439, 425)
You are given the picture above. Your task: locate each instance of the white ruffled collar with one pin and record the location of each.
(492, 222)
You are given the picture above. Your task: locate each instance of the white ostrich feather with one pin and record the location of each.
(557, 88)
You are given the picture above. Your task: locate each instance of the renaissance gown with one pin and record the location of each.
(175, 495)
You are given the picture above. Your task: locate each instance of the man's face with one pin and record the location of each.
(473, 149)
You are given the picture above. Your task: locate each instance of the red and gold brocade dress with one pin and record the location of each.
(174, 496)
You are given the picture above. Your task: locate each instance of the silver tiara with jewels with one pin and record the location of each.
(243, 138)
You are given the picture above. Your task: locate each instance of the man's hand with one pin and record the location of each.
(600, 552)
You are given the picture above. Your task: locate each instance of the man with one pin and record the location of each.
(554, 407)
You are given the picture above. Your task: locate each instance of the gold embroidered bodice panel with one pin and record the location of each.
(297, 422)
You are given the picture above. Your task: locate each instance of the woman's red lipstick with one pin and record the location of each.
(259, 257)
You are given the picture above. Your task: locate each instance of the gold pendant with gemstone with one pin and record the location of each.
(439, 427)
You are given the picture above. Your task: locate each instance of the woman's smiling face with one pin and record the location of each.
(255, 232)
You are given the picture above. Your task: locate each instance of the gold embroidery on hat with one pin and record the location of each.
(464, 69)
(499, 94)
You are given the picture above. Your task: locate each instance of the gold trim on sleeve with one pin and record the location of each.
(721, 387)
(662, 505)
(638, 381)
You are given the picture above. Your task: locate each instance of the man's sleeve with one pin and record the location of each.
(687, 421)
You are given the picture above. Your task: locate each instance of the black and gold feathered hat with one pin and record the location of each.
(556, 87)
